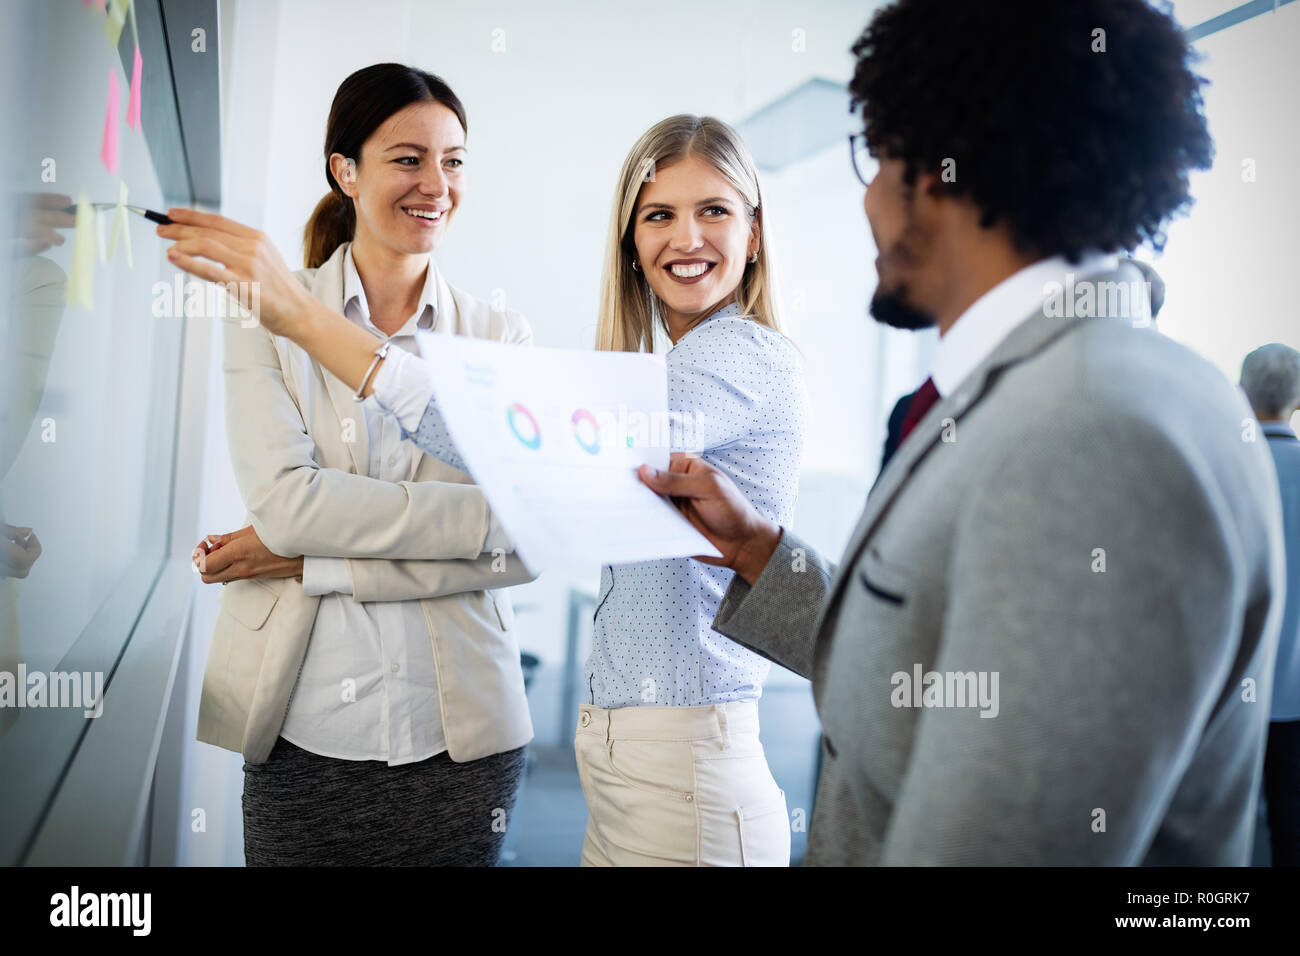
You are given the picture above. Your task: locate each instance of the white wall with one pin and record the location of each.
(1228, 265)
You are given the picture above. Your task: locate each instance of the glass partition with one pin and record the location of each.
(89, 377)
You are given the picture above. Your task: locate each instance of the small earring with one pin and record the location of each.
(635, 267)
(754, 257)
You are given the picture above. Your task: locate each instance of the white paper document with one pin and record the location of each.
(554, 438)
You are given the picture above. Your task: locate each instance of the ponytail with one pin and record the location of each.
(331, 224)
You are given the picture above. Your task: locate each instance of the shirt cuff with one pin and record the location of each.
(404, 387)
(325, 576)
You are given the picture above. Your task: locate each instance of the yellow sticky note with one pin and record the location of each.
(121, 226)
(116, 20)
(101, 247)
(81, 279)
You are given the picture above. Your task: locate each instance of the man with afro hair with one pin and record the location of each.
(1050, 639)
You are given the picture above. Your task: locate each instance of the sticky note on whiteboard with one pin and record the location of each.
(121, 226)
(101, 246)
(108, 148)
(116, 20)
(133, 109)
(81, 278)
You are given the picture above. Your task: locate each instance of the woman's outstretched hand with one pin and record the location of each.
(714, 505)
(241, 554)
(242, 259)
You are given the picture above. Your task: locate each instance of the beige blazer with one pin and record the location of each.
(299, 450)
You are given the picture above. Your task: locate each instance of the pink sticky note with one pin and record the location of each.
(133, 109)
(108, 151)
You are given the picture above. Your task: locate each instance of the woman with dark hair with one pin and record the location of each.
(363, 660)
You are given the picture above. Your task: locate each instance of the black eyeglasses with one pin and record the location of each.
(860, 156)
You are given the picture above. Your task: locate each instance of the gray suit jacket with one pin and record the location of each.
(1082, 522)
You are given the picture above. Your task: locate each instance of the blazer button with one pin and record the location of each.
(830, 748)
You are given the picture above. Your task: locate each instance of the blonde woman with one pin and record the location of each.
(667, 743)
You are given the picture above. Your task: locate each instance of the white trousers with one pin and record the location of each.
(679, 786)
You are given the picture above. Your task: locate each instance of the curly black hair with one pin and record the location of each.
(1076, 150)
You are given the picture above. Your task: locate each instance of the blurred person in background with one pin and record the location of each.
(1270, 377)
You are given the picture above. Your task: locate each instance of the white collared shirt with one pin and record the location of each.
(991, 318)
(369, 685)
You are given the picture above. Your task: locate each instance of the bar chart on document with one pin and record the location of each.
(554, 438)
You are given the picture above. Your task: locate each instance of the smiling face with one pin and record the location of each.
(409, 179)
(692, 237)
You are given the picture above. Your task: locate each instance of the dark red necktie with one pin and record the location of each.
(922, 401)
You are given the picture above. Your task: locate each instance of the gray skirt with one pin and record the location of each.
(302, 809)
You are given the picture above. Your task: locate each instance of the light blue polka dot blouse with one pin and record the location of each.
(737, 387)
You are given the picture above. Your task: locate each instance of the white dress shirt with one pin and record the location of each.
(991, 318)
(369, 686)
